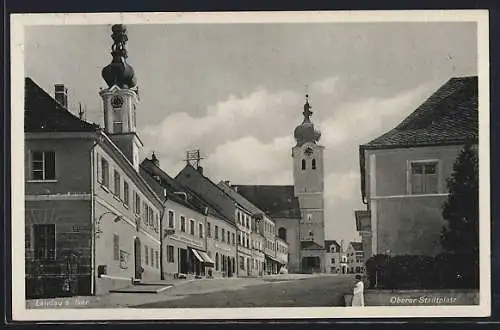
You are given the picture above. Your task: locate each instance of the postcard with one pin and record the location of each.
(250, 165)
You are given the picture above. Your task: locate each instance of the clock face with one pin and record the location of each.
(117, 101)
(308, 151)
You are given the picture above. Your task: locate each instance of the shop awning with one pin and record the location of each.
(197, 255)
(274, 259)
(206, 258)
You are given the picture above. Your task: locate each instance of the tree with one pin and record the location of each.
(460, 237)
(461, 210)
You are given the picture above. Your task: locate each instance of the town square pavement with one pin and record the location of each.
(287, 290)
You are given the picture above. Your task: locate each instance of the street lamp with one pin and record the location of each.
(98, 229)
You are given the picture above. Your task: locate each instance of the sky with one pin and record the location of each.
(236, 91)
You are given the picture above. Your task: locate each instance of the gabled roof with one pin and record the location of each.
(310, 245)
(42, 113)
(447, 117)
(238, 198)
(275, 201)
(329, 243)
(160, 180)
(357, 246)
(194, 180)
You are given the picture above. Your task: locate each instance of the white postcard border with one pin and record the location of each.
(19, 21)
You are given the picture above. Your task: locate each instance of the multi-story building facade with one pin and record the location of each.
(263, 229)
(404, 172)
(241, 218)
(355, 258)
(92, 222)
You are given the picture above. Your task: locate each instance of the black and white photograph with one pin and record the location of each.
(250, 165)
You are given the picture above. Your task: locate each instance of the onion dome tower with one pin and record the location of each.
(308, 179)
(305, 132)
(119, 72)
(121, 98)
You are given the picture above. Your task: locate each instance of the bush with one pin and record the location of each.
(445, 271)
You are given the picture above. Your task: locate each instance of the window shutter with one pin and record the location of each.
(50, 165)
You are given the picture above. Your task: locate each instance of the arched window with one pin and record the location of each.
(282, 233)
(217, 261)
(314, 164)
(303, 164)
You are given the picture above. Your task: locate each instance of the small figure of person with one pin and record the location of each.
(358, 298)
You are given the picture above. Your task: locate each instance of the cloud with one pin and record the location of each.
(248, 139)
(327, 86)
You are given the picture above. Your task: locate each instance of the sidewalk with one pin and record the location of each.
(113, 299)
(179, 290)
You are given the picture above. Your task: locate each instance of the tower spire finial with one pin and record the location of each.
(307, 109)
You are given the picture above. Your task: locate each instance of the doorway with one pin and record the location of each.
(183, 261)
(137, 258)
(311, 264)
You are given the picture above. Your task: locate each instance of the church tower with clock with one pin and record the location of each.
(308, 177)
(120, 98)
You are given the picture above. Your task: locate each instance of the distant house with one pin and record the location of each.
(355, 258)
(333, 257)
(404, 172)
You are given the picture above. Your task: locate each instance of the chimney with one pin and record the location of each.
(61, 95)
(341, 245)
(155, 159)
(200, 170)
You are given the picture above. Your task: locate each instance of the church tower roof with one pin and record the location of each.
(119, 72)
(305, 132)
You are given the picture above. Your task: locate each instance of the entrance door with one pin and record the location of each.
(311, 264)
(183, 261)
(137, 258)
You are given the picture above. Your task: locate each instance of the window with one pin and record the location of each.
(146, 254)
(151, 216)
(157, 223)
(313, 164)
(117, 183)
(242, 263)
(239, 238)
(43, 165)
(209, 229)
(116, 247)
(223, 235)
(183, 224)
(228, 237)
(126, 197)
(45, 241)
(117, 121)
(282, 233)
(152, 257)
(234, 240)
(137, 204)
(216, 260)
(424, 178)
(170, 253)
(157, 258)
(171, 219)
(216, 232)
(246, 222)
(104, 172)
(333, 260)
(303, 164)
(191, 227)
(200, 230)
(145, 213)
